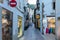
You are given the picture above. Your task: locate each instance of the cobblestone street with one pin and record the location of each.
(32, 34)
(29, 20)
(49, 37)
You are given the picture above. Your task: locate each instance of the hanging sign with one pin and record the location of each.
(13, 3)
(37, 16)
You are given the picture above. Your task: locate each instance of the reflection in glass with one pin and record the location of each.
(6, 25)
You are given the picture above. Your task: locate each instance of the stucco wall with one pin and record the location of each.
(48, 9)
(15, 19)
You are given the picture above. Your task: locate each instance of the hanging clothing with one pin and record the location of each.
(47, 30)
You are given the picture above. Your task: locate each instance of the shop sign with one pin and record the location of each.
(38, 16)
(13, 3)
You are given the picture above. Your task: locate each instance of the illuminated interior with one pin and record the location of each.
(6, 24)
(51, 22)
(19, 26)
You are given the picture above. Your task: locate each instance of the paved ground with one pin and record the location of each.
(32, 34)
(49, 37)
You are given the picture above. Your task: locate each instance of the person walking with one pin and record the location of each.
(26, 25)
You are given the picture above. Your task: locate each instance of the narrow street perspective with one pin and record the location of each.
(32, 34)
(29, 20)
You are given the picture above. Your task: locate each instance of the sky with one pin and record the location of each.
(32, 1)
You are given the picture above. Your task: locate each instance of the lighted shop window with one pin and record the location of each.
(19, 26)
(7, 17)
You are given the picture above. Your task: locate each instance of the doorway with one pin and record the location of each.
(51, 24)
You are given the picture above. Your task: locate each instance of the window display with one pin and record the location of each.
(51, 24)
(7, 17)
(19, 26)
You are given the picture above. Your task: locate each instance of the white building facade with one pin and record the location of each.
(17, 17)
(48, 11)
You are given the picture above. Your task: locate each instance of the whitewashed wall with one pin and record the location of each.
(48, 9)
(15, 18)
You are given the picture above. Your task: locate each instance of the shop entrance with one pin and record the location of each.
(7, 19)
(51, 24)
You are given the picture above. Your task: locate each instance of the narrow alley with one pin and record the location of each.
(29, 20)
(32, 34)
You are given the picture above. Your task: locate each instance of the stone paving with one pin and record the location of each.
(32, 34)
(49, 37)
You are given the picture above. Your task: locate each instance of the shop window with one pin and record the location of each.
(7, 18)
(54, 5)
(19, 26)
(51, 23)
(1, 1)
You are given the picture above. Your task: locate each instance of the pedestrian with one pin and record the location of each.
(47, 30)
(26, 25)
(30, 23)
